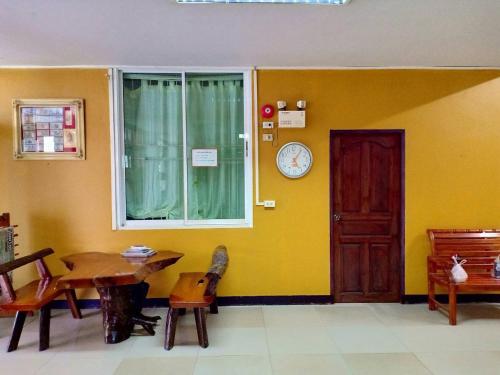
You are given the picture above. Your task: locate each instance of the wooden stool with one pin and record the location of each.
(189, 292)
(196, 290)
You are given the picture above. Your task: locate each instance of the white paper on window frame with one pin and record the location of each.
(204, 157)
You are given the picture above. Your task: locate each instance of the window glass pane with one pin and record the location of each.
(152, 106)
(215, 120)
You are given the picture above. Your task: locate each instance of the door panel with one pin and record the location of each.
(366, 217)
(379, 267)
(351, 275)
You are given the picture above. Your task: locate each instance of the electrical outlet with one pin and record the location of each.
(267, 137)
(269, 204)
(267, 125)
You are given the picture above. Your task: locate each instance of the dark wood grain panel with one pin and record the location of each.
(351, 172)
(351, 269)
(379, 267)
(380, 177)
(372, 228)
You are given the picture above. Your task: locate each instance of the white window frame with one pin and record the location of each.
(120, 221)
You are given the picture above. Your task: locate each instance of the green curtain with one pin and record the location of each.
(215, 119)
(153, 146)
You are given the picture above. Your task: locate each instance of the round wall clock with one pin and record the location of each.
(294, 160)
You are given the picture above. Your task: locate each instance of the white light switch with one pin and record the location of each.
(267, 125)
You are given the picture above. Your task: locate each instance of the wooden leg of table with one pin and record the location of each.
(117, 312)
(452, 305)
(73, 303)
(16, 330)
(201, 326)
(44, 328)
(171, 325)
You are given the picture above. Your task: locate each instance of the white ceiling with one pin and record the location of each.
(373, 33)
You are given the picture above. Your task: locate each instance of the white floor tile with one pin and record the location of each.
(461, 363)
(348, 315)
(236, 317)
(314, 364)
(80, 364)
(396, 314)
(291, 316)
(366, 340)
(449, 338)
(236, 341)
(300, 340)
(156, 365)
(385, 364)
(233, 365)
(186, 344)
(26, 364)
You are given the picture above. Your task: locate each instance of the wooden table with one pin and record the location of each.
(119, 282)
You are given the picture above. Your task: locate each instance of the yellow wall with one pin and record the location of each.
(452, 122)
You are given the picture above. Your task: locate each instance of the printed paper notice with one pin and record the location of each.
(204, 157)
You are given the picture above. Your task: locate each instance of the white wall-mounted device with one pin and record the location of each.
(281, 104)
(266, 137)
(269, 204)
(292, 119)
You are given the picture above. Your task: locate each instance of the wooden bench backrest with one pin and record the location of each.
(465, 242)
(220, 260)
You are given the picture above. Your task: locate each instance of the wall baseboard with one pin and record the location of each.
(287, 300)
(443, 298)
(222, 301)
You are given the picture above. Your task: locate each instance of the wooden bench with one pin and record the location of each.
(36, 295)
(479, 246)
(196, 290)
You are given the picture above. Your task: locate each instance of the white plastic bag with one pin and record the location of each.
(457, 272)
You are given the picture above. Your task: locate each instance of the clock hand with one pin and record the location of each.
(294, 160)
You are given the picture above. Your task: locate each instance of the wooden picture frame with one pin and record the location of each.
(48, 129)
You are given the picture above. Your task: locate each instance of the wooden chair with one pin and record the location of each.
(36, 295)
(196, 290)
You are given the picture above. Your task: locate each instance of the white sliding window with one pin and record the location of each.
(181, 149)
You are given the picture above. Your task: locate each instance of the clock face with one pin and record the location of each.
(294, 160)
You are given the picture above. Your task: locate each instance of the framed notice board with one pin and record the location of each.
(48, 129)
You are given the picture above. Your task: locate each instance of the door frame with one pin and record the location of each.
(401, 133)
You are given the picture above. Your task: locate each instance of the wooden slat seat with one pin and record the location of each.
(479, 247)
(34, 295)
(196, 290)
(189, 291)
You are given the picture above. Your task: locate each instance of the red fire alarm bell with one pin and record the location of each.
(267, 111)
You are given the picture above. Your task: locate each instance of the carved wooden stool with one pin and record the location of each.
(196, 290)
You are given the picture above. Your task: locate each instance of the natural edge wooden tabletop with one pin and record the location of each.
(99, 269)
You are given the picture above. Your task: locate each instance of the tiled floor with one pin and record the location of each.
(327, 339)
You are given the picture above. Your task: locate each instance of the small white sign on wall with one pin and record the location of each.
(204, 157)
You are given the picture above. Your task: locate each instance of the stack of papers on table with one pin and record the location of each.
(138, 251)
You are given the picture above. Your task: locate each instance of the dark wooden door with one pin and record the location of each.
(366, 215)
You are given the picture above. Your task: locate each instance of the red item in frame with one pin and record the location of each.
(267, 111)
(69, 118)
